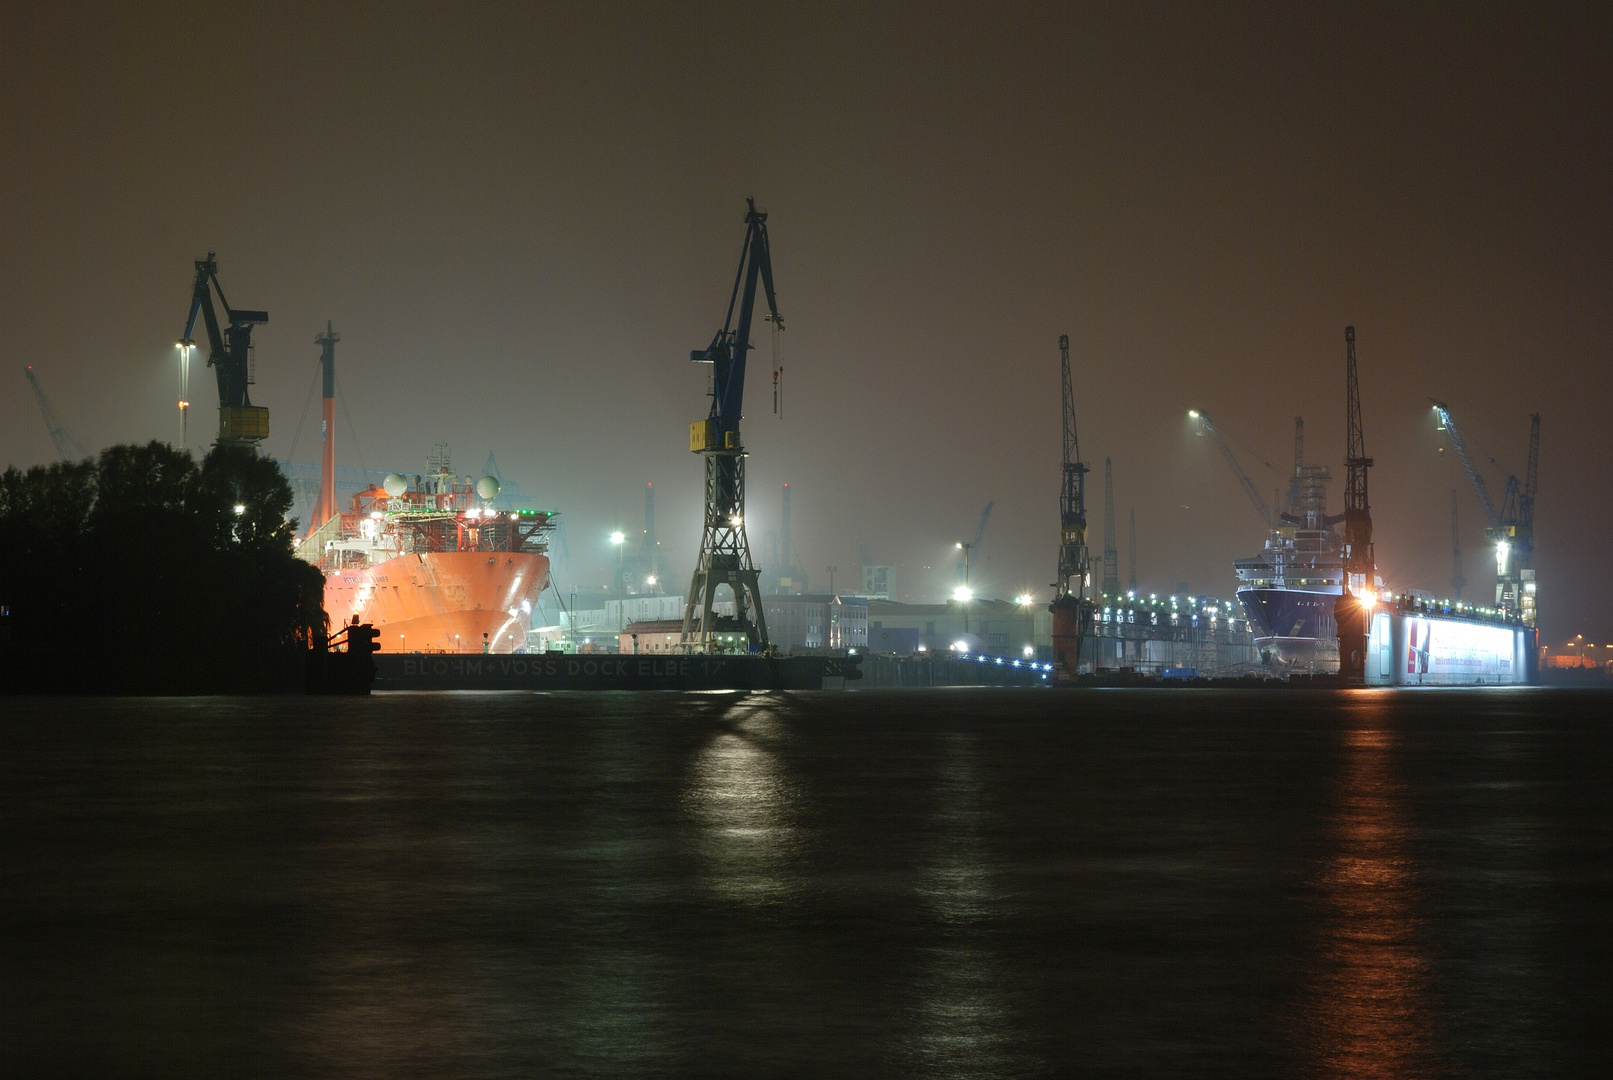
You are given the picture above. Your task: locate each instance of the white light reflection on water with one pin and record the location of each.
(738, 795)
(960, 1026)
(1369, 1013)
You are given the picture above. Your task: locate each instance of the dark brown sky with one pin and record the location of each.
(522, 219)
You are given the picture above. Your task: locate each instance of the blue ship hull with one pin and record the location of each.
(1294, 627)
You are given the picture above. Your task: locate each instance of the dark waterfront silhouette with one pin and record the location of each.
(950, 883)
(143, 570)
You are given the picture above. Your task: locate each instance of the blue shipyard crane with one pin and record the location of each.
(1511, 527)
(240, 423)
(725, 557)
(1072, 600)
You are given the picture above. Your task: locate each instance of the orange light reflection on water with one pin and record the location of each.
(1369, 1012)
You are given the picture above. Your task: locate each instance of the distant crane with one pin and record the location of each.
(1512, 527)
(1457, 580)
(1111, 556)
(67, 447)
(725, 557)
(980, 537)
(1072, 601)
(1133, 561)
(1247, 484)
(240, 423)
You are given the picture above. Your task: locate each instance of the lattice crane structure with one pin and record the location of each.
(1511, 527)
(67, 447)
(1072, 600)
(725, 556)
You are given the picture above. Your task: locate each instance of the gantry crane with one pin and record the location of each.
(1244, 482)
(240, 423)
(1511, 527)
(1072, 600)
(67, 447)
(725, 557)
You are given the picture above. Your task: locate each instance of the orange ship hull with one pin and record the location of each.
(442, 601)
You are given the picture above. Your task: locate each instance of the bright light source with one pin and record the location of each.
(240, 508)
(1030, 651)
(617, 538)
(650, 580)
(962, 594)
(960, 545)
(1194, 413)
(1502, 550)
(961, 647)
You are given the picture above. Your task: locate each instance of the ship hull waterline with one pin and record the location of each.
(442, 601)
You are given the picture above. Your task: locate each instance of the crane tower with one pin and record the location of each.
(1072, 601)
(725, 557)
(240, 423)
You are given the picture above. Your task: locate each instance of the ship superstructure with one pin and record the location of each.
(1288, 588)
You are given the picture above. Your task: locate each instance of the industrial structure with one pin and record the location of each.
(972, 549)
(1072, 599)
(326, 507)
(1360, 563)
(1512, 527)
(725, 557)
(1207, 426)
(240, 423)
(67, 447)
(1111, 556)
(647, 567)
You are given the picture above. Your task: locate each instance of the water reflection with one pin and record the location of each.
(962, 1013)
(738, 794)
(1369, 1012)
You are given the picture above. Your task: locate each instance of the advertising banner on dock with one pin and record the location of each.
(1422, 650)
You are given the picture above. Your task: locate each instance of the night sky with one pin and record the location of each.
(521, 219)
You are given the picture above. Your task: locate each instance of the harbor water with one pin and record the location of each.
(974, 882)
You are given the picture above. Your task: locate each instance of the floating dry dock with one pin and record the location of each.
(565, 671)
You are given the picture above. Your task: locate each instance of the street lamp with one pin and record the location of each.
(621, 576)
(184, 390)
(962, 594)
